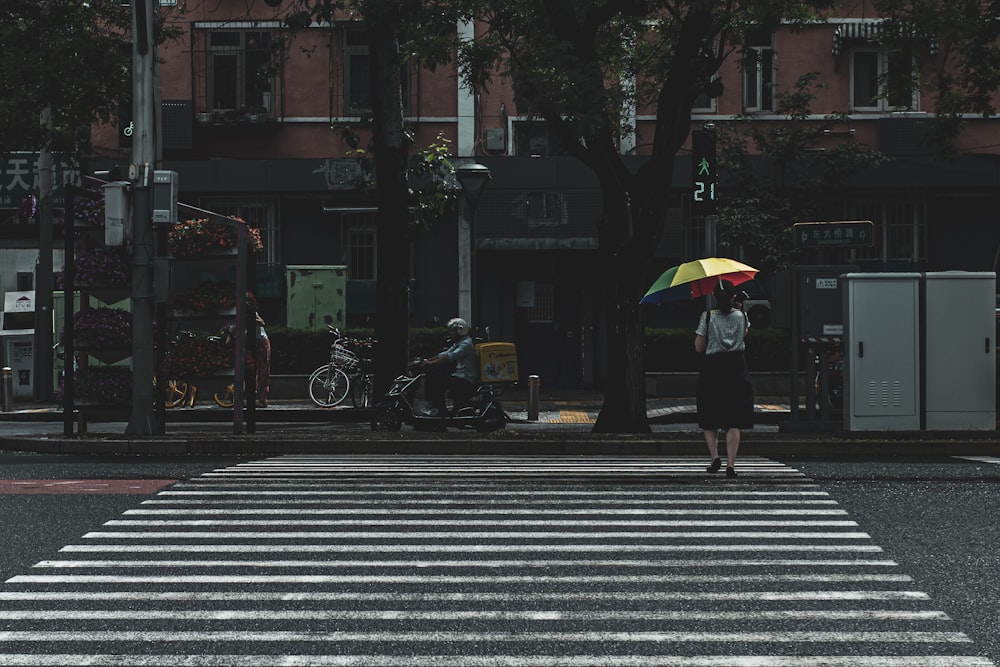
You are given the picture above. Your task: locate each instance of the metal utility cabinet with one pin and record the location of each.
(317, 296)
(882, 351)
(959, 365)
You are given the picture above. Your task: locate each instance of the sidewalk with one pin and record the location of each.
(564, 426)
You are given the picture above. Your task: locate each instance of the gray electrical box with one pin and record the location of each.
(117, 213)
(881, 351)
(496, 139)
(959, 364)
(165, 196)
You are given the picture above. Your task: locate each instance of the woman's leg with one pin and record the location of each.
(732, 446)
(712, 440)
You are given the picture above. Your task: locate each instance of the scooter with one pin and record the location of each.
(401, 406)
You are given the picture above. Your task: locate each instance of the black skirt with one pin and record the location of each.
(725, 395)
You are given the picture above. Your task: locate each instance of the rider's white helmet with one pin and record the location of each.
(459, 326)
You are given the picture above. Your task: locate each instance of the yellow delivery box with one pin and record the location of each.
(497, 362)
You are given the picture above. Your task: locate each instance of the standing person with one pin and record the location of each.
(259, 357)
(453, 370)
(725, 395)
(262, 360)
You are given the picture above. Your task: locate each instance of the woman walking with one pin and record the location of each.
(725, 395)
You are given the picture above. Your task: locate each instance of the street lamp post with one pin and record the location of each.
(472, 178)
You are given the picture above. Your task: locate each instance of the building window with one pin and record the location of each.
(704, 104)
(758, 72)
(532, 138)
(882, 81)
(360, 249)
(357, 74)
(240, 71)
(259, 213)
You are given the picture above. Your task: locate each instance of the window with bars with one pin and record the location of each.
(544, 309)
(900, 230)
(240, 71)
(361, 250)
(259, 213)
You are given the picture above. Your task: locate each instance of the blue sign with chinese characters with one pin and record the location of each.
(841, 234)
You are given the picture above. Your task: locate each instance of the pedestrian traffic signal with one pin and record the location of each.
(703, 172)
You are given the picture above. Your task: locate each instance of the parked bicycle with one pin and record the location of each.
(180, 392)
(349, 371)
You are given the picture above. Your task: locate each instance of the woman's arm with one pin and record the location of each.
(700, 343)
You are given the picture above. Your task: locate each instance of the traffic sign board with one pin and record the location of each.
(840, 234)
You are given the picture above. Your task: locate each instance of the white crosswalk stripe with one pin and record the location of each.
(523, 561)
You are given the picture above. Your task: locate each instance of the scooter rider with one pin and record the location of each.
(453, 370)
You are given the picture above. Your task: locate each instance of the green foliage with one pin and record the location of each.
(961, 72)
(431, 188)
(72, 56)
(783, 173)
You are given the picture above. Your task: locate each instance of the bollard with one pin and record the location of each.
(8, 389)
(533, 382)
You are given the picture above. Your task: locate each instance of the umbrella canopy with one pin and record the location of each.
(697, 278)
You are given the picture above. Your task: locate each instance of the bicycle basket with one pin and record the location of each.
(344, 358)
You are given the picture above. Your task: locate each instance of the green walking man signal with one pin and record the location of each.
(703, 171)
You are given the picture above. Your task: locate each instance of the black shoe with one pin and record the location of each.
(730, 472)
(716, 464)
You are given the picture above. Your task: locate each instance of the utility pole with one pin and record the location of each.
(143, 241)
(43, 271)
(42, 361)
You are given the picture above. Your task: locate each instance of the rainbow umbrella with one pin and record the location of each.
(696, 278)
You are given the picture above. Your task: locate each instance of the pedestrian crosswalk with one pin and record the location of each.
(517, 561)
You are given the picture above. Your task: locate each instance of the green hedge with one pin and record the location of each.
(300, 351)
(673, 350)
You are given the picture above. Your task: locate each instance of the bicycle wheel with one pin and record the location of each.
(362, 394)
(367, 388)
(176, 391)
(226, 397)
(328, 386)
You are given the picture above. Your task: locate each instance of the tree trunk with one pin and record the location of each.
(624, 260)
(391, 149)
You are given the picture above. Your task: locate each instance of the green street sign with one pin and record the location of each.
(840, 234)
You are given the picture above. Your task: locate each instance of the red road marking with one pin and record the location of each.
(82, 486)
